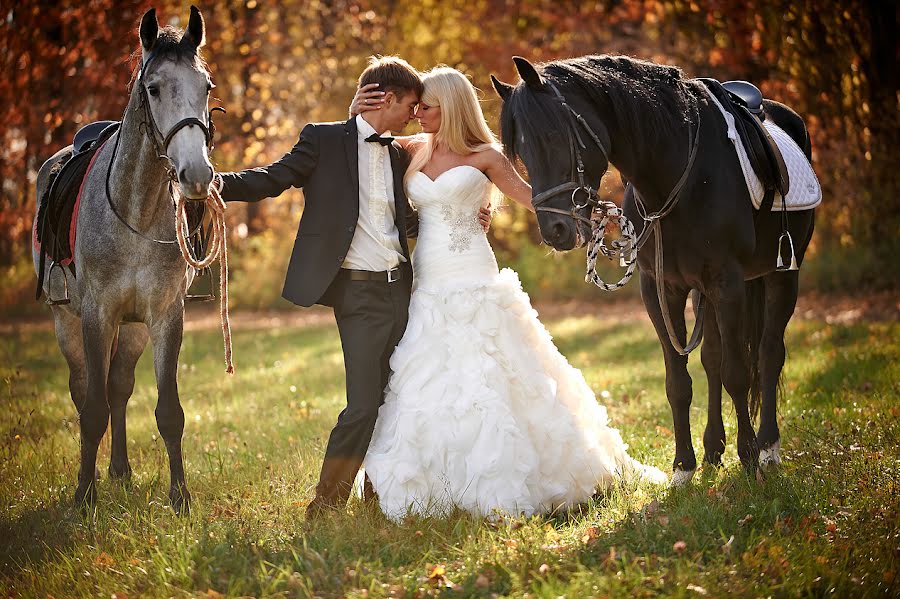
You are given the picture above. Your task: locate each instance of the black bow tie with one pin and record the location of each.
(385, 141)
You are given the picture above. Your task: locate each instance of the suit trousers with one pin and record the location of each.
(371, 318)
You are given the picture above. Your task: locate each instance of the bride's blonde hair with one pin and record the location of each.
(463, 128)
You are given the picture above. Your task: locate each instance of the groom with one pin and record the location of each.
(351, 251)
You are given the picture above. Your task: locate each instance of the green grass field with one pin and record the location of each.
(825, 523)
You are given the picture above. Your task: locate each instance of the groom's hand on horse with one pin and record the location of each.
(484, 218)
(367, 98)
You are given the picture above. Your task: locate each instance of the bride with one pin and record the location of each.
(481, 411)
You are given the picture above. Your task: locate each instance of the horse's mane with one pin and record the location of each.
(648, 100)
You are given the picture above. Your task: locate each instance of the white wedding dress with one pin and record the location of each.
(482, 412)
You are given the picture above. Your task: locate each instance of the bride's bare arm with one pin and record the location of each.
(502, 174)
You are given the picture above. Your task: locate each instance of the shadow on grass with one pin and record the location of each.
(38, 535)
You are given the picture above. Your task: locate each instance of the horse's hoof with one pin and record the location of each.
(713, 459)
(86, 496)
(181, 500)
(682, 477)
(771, 456)
(120, 474)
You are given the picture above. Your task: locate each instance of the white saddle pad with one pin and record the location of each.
(804, 193)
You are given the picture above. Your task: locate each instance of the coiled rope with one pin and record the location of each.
(625, 248)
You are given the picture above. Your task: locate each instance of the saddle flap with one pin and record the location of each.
(762, 151)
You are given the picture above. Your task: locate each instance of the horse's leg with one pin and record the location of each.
(132, 340)
(98, 329)
(71, 344)
(735, 360)
(711, 356)
(781, 298)
(678, 381)
(166, 333)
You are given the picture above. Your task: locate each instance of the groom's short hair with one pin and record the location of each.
(392, 73)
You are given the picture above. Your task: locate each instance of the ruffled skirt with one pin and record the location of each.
(483, 413)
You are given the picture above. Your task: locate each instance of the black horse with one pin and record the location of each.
(669, 141)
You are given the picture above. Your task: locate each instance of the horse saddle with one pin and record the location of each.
(744, 101)
(90, 133)
(57, 212)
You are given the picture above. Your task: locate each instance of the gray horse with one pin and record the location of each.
(131, 280)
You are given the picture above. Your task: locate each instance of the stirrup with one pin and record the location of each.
(779, 264)
(65, 300)
(202, 297)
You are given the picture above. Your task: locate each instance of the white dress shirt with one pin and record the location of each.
(376, 241)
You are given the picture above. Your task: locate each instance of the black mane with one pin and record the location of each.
(648, 100)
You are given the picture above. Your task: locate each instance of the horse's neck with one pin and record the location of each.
(138, 180)
(652, 166)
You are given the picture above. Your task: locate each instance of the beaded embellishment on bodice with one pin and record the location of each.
(451, 247)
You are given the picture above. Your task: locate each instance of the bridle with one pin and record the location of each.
(149, 127)
(577, 183)
(603, 212)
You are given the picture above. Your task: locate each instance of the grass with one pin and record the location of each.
(824, 523)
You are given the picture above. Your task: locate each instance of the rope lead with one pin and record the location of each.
(217, 249)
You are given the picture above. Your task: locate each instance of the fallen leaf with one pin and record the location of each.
(544, 569)
(679, 546)
(590, 535)
(104, 560)
(482, 582)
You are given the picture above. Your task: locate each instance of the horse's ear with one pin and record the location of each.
(503, 89)
(149, 30)
(528, 73)
(195, 34)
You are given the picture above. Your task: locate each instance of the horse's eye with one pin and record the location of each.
(153, 90)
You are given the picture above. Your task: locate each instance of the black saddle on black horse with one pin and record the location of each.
(54, 217)
(745, 102)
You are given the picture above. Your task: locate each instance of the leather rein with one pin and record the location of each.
(606, 211)
(148, 126)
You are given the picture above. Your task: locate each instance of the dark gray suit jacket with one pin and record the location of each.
(324, 163)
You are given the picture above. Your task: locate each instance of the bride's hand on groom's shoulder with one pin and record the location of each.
(367, 98)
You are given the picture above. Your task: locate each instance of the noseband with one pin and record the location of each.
(149, 127)
(577, 184)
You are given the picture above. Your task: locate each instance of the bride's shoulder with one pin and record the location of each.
(488, 158)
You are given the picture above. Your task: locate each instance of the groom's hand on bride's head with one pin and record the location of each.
(367, 98)
(484, 217)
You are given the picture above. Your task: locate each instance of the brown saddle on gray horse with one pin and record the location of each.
(745, 102)
(54, 227)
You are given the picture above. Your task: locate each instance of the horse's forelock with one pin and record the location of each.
(538, 116)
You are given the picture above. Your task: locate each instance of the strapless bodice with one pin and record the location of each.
(452, 249)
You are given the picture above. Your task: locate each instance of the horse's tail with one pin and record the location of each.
(755, 302)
